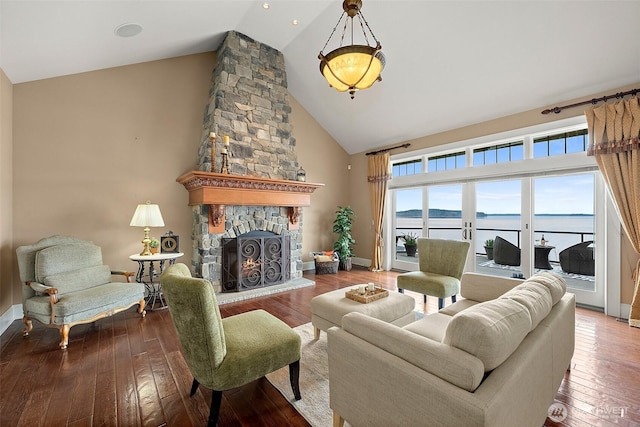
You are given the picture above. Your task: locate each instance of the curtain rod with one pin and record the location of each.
(371, 153)
(594, 101)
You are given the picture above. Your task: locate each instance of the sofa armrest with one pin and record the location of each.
(482, 287)
(448, 363)
(49, 290)
(127, 274)
(43, 289)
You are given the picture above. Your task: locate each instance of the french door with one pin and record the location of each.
(519, 212)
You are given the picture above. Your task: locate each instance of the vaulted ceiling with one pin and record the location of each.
(449, 63)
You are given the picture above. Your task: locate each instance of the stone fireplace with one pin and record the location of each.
(249, 102)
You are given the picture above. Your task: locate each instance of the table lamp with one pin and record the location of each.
(146, 216)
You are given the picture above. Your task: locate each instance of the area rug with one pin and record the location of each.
(314, 379)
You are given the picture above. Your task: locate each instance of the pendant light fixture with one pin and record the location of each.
(355, 66)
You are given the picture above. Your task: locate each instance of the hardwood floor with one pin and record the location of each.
(127, 371)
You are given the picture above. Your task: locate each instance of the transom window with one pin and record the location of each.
(447, 162)
(411, 167)
(501, 153)
(561, 143)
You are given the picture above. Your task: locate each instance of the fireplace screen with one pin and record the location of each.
(254, 260)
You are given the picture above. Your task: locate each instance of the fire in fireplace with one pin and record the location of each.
(255, 260)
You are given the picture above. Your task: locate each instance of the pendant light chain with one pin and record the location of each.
(368, 27)
(334, 30)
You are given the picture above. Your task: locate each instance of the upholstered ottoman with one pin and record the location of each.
(327, 309)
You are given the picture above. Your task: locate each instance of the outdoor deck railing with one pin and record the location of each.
(496, 231)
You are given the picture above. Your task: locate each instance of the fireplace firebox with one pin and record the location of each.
(256, 259)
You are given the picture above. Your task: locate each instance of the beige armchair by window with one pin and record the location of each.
(226, 353)
(67, 284)
(441, 266)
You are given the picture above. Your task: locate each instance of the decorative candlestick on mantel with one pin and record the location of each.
(212, 138)
(224, 168)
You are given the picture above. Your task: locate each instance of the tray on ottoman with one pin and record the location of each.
(368, 297)
(328, 309)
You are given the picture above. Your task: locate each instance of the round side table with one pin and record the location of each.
(154, 299)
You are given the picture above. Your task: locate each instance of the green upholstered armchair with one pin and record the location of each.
(441, 266)
(66, 284)
(226, 353)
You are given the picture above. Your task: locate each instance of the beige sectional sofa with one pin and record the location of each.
(495, 358)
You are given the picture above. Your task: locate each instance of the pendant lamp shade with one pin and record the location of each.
(355, 66)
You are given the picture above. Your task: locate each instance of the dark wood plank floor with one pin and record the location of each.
(127, 371)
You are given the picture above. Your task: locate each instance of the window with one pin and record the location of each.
(410, 167)
(446, 162)
(501, 153)
(561, 143)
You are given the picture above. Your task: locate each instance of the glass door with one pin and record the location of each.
(408, 224)
(444, 215)
(564, 233)
(498, 228)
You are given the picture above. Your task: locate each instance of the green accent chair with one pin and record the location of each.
(226, 353)
(441, 266)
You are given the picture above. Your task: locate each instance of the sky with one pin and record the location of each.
(572, 194)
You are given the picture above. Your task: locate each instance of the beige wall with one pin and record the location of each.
(7, 294)
(324, 162)
(360, 195)
(89, 147)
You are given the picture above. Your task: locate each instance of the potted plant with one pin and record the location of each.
(410, 243)
(488, 248)
(343, 246)
(154, 244)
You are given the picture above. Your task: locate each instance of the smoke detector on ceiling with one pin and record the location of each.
(128, 30)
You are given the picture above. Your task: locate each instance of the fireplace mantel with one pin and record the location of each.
(218, 190)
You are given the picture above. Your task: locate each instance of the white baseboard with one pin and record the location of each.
(13, 313)
(362, 262)
(625, 311)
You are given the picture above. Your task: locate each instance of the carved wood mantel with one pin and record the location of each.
(218, 190)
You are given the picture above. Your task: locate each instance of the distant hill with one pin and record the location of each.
(435, 213)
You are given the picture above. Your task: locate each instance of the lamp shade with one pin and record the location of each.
(147, 215)
(355, 66)
(352, 67)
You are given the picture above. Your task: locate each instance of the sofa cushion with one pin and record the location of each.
(68, 257)
(491, 330)
(432, 326)
(556, 284)
(535, 297)
(482, 287)
(448, 363)
(458, 306)
(77, 280)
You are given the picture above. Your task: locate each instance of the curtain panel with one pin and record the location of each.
(378, 173)
(614, 132)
